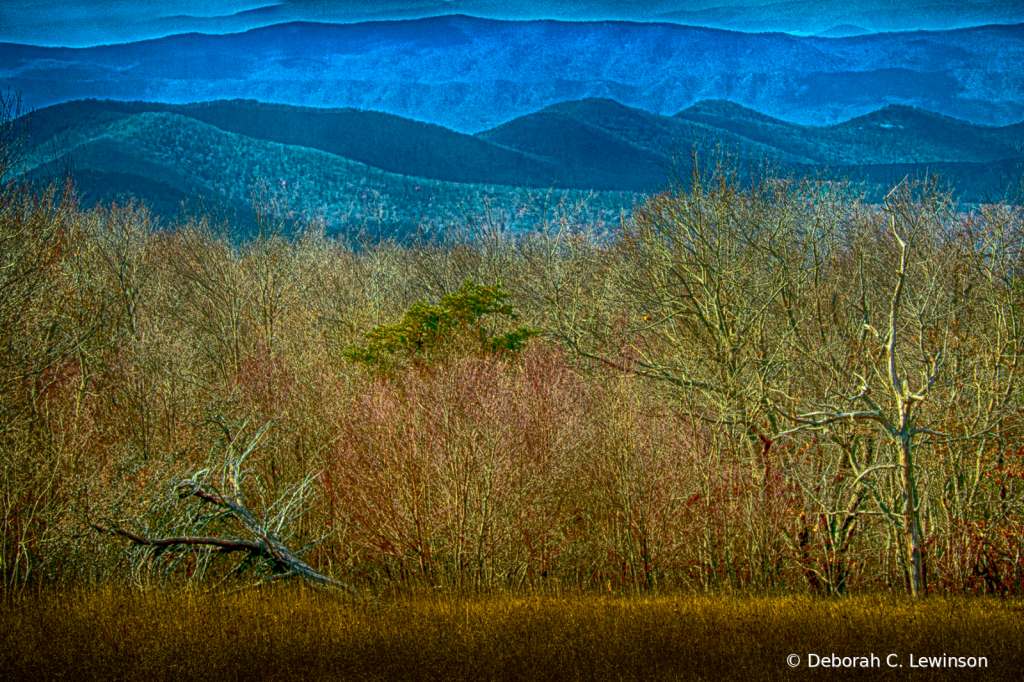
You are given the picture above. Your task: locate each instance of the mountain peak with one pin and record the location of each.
(844, 31)
(589, 104)
(902, 116)
(721, 108)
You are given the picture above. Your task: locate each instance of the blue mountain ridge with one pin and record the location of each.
(337, 159)
(471, 75)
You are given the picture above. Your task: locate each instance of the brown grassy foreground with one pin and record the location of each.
(292, 633)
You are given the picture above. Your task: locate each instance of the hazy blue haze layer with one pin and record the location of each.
(84, 23)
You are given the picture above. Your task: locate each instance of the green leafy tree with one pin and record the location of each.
(457, 323)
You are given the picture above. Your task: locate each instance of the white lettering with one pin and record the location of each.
(944, 661)
(834, 661)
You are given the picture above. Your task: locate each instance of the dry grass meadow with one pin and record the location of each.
(291, 633)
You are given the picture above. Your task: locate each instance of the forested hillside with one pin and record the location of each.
(365, 170)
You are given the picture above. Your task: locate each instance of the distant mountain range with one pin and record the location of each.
(66, 24)
(363, 167)
(470, 75)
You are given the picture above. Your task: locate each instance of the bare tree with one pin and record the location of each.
(868, 341)
(917, 339)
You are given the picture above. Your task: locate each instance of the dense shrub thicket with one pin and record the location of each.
(774, 386)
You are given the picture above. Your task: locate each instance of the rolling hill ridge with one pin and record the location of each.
(336, 160)
(470, 75)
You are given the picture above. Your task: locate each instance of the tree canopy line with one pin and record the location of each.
(760, 383)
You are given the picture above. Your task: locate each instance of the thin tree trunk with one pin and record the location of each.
(911, 525)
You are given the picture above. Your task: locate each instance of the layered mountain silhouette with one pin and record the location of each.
(128, 22)
(470, 74)
(365, 165)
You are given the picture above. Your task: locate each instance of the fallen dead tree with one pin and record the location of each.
(263, 548)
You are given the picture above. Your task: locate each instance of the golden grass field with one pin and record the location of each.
(294, 633)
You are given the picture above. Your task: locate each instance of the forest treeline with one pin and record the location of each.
(769, 386)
